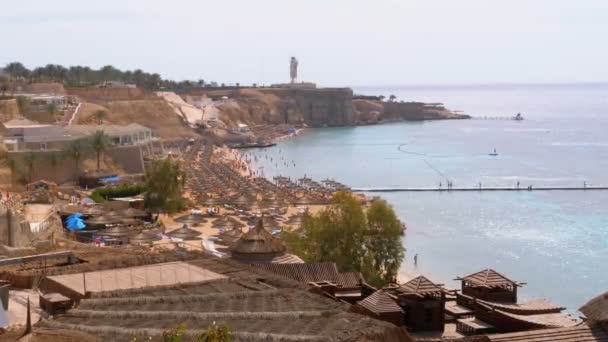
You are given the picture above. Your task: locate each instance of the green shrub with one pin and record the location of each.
(101, 195)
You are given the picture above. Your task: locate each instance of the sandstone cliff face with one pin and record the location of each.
(374, 111)
(127, 105)
(313, 107)
(8, 109)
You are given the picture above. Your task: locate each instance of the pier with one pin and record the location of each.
(511, 118)
(473, 189)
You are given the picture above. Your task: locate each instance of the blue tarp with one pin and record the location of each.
(110, 179)
(75, 222)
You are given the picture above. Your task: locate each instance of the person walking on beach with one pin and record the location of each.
(416, 259)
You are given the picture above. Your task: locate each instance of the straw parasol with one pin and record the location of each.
(229, 236)
(222, 223)
(213, 202)
(70, 209)
(95, 210)
(243, 200)
(144, 238)
(118, 231)
(191, 219)
(103, 219)
(257, 241)
(185, 233)
(132, 212)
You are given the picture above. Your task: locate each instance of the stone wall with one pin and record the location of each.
(14, 230)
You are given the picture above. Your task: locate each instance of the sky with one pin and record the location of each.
(337, 42)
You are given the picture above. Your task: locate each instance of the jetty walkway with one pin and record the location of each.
(472, 189)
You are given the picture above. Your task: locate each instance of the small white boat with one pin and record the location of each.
(494, 154)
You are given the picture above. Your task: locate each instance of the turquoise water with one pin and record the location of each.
(557, 242)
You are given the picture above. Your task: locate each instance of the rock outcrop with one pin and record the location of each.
(377, 111)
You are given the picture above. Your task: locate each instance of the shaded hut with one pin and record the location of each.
(144, 238)
(185, 233)
(491, 286)
(381, 305)
(190, 219)
(259, 246)
(230, 236)
(423, 304)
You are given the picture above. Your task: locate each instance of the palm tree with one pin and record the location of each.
(30, 160)
(100, 115)
(54, 159)
(52, 110)
(392, 98)
(75, 151)
(99, 143)
(12, 165)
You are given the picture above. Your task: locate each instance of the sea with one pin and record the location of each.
(554, 241)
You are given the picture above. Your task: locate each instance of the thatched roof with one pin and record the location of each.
(103, 219)
(185, 233)
(258, 241)
(117, 231)
(191, 219)
(257, 306)
(144, 237)
(596, 310)
(489, 278)
(132, 212)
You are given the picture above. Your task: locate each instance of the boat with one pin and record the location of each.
(518, 117)
(494, 154)
(252, 145)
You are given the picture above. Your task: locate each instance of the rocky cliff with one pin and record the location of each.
(313, 107)
(376, 111)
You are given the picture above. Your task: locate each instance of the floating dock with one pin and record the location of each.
(473, 189)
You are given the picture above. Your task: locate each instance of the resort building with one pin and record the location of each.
(118, 303)
(488, 304)
(490, 285)
(131, 134)
(423, 304)
(26, 135)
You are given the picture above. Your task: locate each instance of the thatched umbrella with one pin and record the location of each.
(144, 238)
(243, 200)
(185, 233)
(132, 212)
(118, 231)
(70, 209)
(102, 220)
(130, 221)
(257, 241)
(96, 210)
(191, 219)
(229, 236)
(222, 223)
(213, 202)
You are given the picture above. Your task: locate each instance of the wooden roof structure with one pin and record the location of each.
(314, 272)
(579, 333)
(380, 302)
(257, 305)
(596, 310)
(419, 287)
(490, 279)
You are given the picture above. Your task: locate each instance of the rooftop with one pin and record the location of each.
(258, 306)
(488, 278)
(420, 286)
(380, 302)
